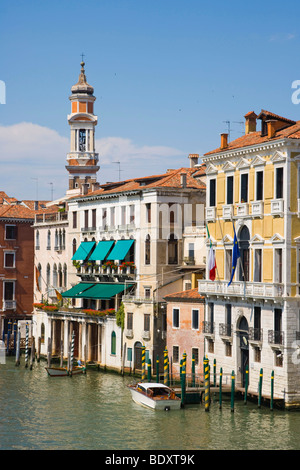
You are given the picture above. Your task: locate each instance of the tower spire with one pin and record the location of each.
(82, 160)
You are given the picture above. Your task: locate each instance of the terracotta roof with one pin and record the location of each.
(190, 295)
(254, 138)
(170, 179)
(16, 211)
(275, 116)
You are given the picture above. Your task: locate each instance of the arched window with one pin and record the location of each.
(39, 280)
(172, 249)
(244, 246)
(54, 275)
(60, 279)
(48, 276)
(74, 246)
(113, 343)
(147, 249)
(37, 240)
(63, 239)
(49, 240)
(65, 276)
(82, 140)
(56, 240)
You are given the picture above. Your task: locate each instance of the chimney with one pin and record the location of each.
(183, 180)
(250, 124)
(95, 186)
(224, 141)
(271, 129)
(193, 159)
(84, 189)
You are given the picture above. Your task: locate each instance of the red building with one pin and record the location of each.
(16, 260)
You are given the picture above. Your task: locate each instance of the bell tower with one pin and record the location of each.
(82, 160)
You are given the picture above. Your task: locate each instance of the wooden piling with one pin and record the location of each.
(246, 384)
(32, 353)
(260, 387)
(149, 370)
(183, 384)
(220, 388)
(272, 390)
(165, 366)
(143, 363)
(193, 371)
(38, 353)
(61, 353)
(206, 384)
(232, 390)
(157, 368)
(18, 347)
(26, 345)
(49, 352)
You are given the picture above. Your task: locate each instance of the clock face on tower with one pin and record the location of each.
(82, 140)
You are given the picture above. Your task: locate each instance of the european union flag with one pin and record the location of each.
(235, 256)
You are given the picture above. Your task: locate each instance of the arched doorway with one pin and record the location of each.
(138, 356)
(243, 335)
(244, 238)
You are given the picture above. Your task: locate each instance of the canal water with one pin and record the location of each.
(95, 412)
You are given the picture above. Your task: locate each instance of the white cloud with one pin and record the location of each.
(29, 151)
(282, 37)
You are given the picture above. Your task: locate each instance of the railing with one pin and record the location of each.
(277, 207)
(255, 334)
(275, 337)
(225, 329)
(133, 298)
(9, 304)
(240, 288)
(54, 217)
(208, 327)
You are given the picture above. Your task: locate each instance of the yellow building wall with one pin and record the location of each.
(267, 265)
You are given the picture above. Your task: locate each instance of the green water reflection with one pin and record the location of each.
(95, 411)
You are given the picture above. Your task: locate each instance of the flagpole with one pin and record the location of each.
(208, 233)
(224, 245)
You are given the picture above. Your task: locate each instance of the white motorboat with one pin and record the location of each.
(154, 395)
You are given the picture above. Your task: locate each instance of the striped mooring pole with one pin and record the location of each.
(206, 384)
(193, 371)
(232, 390)
(26, 345)
(72, 353)
(220, 388)
(143, 362)
(165, 366)
(272, 390)
(184, 363)
(246, 384)
(157, 368)
(183, 383)
(215, 373)
(260, 387)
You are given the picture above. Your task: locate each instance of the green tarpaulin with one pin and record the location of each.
(103, 291)
(78, 289)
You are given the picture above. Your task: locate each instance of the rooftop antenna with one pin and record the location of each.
(239, 122)
(51, 184)
(119, 163)
(228, 129)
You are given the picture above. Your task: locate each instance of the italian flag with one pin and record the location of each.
(211, 259)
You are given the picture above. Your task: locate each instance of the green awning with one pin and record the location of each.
(101, 250)
(83, 251)
(78, 289)
(120, 250)
(103, 291)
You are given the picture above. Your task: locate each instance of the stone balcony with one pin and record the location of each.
(255, 290)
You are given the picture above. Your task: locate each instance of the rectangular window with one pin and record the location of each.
(278, 265)
(9, 260)
(123, 215)
(228, 309)
(228, 264)
(10, 232)
(195, 354)
(146, 322)
(244, 187)
(74, 219)
(94, 218)
(104, 218)
(279, 183)
(259, 185)
(147, 292)
(9, 290)
(257, 323)
(131, 214)
(112, 217)
(175, 317)
(195, 319)
(257, 265)
(129, 354)
(148, 213)
(212, 192)
(229, 190)
(175, 354)
(86, 219)
(129, 320)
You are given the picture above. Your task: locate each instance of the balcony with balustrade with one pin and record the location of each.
(255, 290)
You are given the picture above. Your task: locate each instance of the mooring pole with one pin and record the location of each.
(15, 337)
(215, 373)
(246, 384)
(260, 387)
(193, 371)
(183, 384)
(32, 352)
(26, 346)
(72, 353)
(143, 362)
(149, 370)
(38, 349)
(220, 388)
(272, 390)
(232, 390)
(165, 366)
(18, 347)
(157, 368)
(206, 384)
(8, 336)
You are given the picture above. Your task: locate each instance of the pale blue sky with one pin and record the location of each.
(166, 74)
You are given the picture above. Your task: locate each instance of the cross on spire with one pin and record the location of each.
(82, 56)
